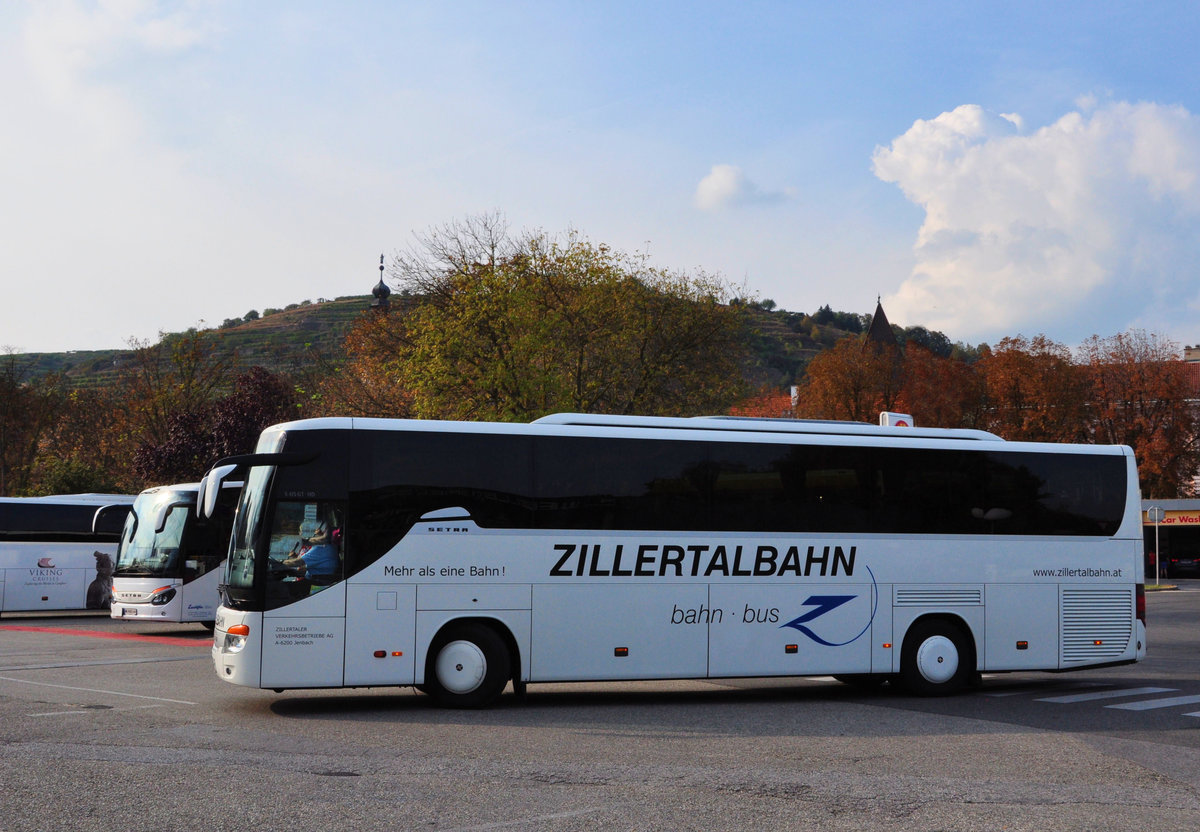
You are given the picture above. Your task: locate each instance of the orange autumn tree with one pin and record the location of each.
(366, 383)
(853, 380)
(1032, 391)
(1139, 392)
(940, 392)
(765, 404)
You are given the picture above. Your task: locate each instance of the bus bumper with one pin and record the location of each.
(237, 647)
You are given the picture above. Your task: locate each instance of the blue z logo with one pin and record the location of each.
(826, 603)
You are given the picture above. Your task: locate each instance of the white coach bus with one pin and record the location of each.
(57, 553)
(458, 557)
(170, 558)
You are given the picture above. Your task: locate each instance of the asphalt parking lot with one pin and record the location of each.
(126, 725)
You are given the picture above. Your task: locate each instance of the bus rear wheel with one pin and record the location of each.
(468, 666)
(937, 659)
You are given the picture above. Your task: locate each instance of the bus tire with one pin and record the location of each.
(467, 667)
(937, 659)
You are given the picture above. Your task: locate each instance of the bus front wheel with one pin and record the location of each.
(937, 659)
(468, 666)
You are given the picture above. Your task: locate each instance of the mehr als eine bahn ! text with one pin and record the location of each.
(462, 558)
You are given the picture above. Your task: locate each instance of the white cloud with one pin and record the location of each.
(148, 216)
(65, 39)
(1086, 226)
(726, 186)
(1015, 119)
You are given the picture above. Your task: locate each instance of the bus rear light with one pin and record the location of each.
(1141, 603)
(887, 645)
(1022, 645)
(397, 652)
(621, 652)
(239, 630)
(791, 648)
(380, 654)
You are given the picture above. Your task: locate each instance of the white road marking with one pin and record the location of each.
(508, 824)
(1150, 704)
(1103, 694)
(106, 692)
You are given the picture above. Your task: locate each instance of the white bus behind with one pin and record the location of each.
(170, 557)
(57, 553)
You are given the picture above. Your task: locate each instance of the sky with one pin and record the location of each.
(987, 169)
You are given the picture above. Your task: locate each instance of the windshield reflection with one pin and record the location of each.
(148, 552)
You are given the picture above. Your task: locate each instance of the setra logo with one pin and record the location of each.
(45, 563)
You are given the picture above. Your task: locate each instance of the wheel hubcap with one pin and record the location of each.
(937, 659)
(460, 667)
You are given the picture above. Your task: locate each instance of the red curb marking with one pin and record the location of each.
(63, 631)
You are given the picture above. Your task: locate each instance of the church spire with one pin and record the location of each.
(880, 330)
(381, 291)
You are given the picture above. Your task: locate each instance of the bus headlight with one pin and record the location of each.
(235, 638)
(162, 596)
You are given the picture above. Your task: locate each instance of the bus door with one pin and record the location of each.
(304, 626)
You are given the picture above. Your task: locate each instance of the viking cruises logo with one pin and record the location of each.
(45, 573)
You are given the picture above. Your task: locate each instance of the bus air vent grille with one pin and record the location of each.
(939, 596)
(1097, 624)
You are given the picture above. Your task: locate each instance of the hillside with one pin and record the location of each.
(278, 340)
(781, 342)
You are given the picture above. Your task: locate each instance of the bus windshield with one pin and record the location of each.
(148, 549)
(239, 567)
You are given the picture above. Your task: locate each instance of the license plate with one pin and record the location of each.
(127, 611)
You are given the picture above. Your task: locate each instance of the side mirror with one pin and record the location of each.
(210, 489)
(160, 516)
(110, 519)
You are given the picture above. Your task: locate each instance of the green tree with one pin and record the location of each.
(182, 372)
(29, 409)
(88, 442)
(71, 476)
(505, 328)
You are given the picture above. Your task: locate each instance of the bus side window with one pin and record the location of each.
(313, 558)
